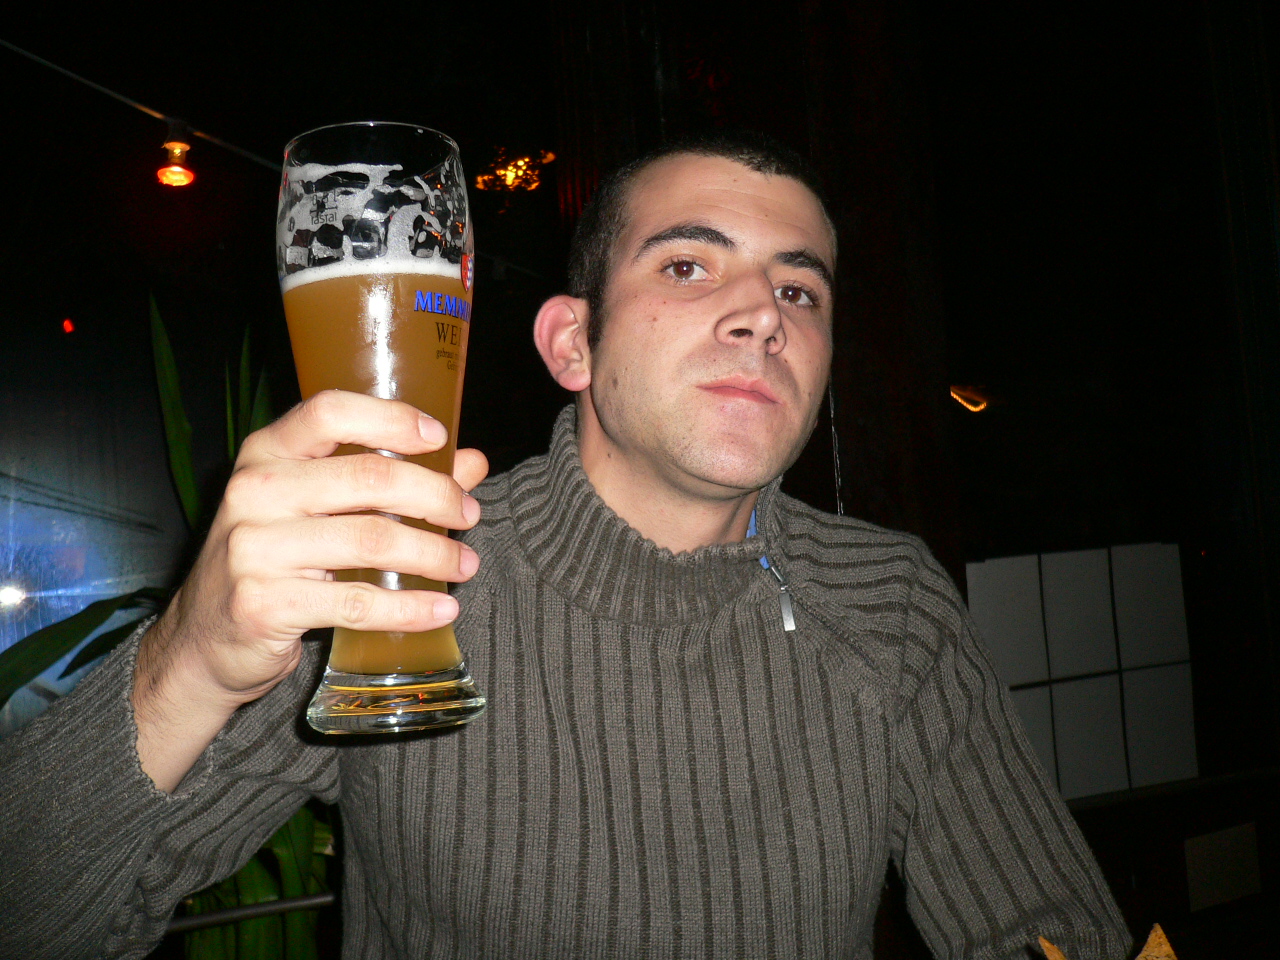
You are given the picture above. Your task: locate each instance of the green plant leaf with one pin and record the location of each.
(177, 429)
(261, 415)
(232, 444)
(263, 938)
(322, 840)
(246, 381)
(292, 846)
(321, 847)
(212, 943)
(37, 652)
(300, 935)
(103, 643)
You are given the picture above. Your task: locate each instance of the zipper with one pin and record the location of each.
(784, 589)
(784, 597)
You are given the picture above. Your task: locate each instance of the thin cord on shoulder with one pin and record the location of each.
(835, 444)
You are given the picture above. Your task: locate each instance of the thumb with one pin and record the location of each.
(470, 466)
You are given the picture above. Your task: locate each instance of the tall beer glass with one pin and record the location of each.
(375, 256)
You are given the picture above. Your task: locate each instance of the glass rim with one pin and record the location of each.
(420, 127)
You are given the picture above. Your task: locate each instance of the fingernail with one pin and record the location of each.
(470, 508)
(468, 562)
(446, 608)
(431, 429)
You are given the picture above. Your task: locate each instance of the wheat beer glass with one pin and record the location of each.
(375, 257)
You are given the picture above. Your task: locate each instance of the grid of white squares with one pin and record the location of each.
(1093, 644)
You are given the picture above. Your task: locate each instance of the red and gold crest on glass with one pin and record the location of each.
(375, 255)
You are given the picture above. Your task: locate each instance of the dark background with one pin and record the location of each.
(1071, 209)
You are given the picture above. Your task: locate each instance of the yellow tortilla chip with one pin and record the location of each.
(1157, 947)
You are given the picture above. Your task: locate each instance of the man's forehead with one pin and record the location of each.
(671, 188)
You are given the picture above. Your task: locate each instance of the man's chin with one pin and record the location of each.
(737, 475)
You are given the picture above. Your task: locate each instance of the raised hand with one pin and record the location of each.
(288, 518)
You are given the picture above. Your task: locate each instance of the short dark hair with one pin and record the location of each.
(605, 217)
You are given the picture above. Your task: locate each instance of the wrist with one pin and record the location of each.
(172, 670)
(177, 710)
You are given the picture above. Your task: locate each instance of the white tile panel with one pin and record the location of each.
(1004, 598)
(1150, 616)
(1161, 726)
(1089, 736)
(1036, 711)
(1077, 612)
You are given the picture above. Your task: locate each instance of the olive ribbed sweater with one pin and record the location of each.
(663, 770)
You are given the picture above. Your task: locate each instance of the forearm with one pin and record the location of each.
(177, 709)
(76, 818)
(990, 856)
(96, 856)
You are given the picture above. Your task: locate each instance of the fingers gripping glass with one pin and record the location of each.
(375, 256)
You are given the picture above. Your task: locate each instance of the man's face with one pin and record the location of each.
(717, 343)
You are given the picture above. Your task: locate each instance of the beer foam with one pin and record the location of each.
(356, 219)
(435, 267)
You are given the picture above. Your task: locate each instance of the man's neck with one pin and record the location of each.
(680, 521)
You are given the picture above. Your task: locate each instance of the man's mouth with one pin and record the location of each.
(742, 388)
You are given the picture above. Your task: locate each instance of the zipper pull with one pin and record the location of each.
(784, 595)
(784, 592)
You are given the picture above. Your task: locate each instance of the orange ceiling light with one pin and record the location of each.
(176, 173)
(521, 173)
(972, 400)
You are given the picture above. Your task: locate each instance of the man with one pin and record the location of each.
(699, 743)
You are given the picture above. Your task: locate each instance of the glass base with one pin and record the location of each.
(354, 703)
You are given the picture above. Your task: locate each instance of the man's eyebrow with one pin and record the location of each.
(807, 261)
(698, 232)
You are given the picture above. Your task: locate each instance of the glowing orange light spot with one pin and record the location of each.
(969, 398)
(175, 176)
(68, 326)
(522, 173)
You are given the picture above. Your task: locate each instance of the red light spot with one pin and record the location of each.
(68, 326)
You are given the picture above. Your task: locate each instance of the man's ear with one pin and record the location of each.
(560, 334)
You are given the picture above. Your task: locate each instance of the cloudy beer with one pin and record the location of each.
(375, 259)
(363, 333)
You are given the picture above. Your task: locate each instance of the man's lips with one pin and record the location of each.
(742, 388)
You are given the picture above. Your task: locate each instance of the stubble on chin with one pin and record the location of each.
(730, 462)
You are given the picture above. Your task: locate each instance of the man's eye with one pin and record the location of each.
(790, 293)
(686, 270)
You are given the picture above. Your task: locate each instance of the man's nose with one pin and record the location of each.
(752, 314)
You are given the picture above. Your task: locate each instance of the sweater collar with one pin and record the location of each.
(586, 552)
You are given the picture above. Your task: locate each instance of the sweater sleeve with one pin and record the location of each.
(989, 854)
(95, 857)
